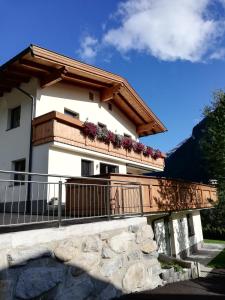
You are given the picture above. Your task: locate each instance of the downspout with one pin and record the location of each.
(30, 144)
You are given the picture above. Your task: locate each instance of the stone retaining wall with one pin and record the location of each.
(103, 265)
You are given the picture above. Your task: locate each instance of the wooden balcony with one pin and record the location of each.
(130, 194)
(169, 194)
(57, 127)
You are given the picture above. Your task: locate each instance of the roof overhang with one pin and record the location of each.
(50, 68)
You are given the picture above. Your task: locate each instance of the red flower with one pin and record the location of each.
(138, 147)
(110, 138)
(90, 130)
(157, 154)
(148, 151)
(127, 143)
(103, 134)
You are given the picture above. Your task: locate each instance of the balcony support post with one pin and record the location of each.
(141, 200)
(60, 204)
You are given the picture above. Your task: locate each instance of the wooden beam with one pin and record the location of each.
(4, 88)
(108, 94)
(15, 76)
(34, 65)
(10, 83)
(26, 71)
(128, 111)
(70, 77)
(145, 127)
(53, 77)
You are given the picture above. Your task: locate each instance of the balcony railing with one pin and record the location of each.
(154, 195)
(50, 198)
(58, 127)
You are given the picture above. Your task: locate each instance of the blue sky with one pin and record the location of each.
(172, 52)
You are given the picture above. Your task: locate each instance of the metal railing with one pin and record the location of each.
(35, 198)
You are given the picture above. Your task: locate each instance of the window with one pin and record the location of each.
(86, 168)
(19, 166)
(14, 117)
(71, 113)
(101, 125)
(190, 224)
(105, 169)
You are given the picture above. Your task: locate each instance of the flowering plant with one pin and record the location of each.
(157, 154)
(127, 143)
(102, 133)
(148, 151)
(93, 131)
(118, 141)
(111, 137)
(90, 130)
(138, 147)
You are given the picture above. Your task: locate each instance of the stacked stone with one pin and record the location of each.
(102, 266)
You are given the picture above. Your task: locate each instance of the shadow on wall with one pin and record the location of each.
(47, 278)
(102, 266)
(177, 195)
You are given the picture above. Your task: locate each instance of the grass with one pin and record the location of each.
(213, 241)
(219, 261)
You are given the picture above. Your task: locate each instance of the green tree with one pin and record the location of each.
(213, 149)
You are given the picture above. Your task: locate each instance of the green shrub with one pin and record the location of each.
(214, 233)
(177, 268)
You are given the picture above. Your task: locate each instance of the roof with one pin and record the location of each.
(50, 67)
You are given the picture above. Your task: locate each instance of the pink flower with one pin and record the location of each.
(157, 154)
(90, 130)
(138, 147)
(148, 151)
(127, 143)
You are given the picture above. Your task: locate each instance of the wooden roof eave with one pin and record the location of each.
(41, 63)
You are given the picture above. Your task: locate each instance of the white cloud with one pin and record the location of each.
(88, 48)
(218, 54)
(166, 29)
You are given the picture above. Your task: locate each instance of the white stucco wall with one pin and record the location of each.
(180, 238)
(61, 96)
(65, 162)
(15, 142)
(197, 226)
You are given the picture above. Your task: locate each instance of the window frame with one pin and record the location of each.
(11, 118)
(108, 165)
(126, 135)
(20, 177)
(91, 167)
(70, 113)
(102, 125)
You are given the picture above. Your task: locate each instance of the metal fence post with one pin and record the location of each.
(141, 200)
(60, 204)
(108, 201)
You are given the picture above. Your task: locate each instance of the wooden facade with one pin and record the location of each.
(57, 127)
(131, 194)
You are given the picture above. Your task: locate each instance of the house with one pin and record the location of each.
(61, 116)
